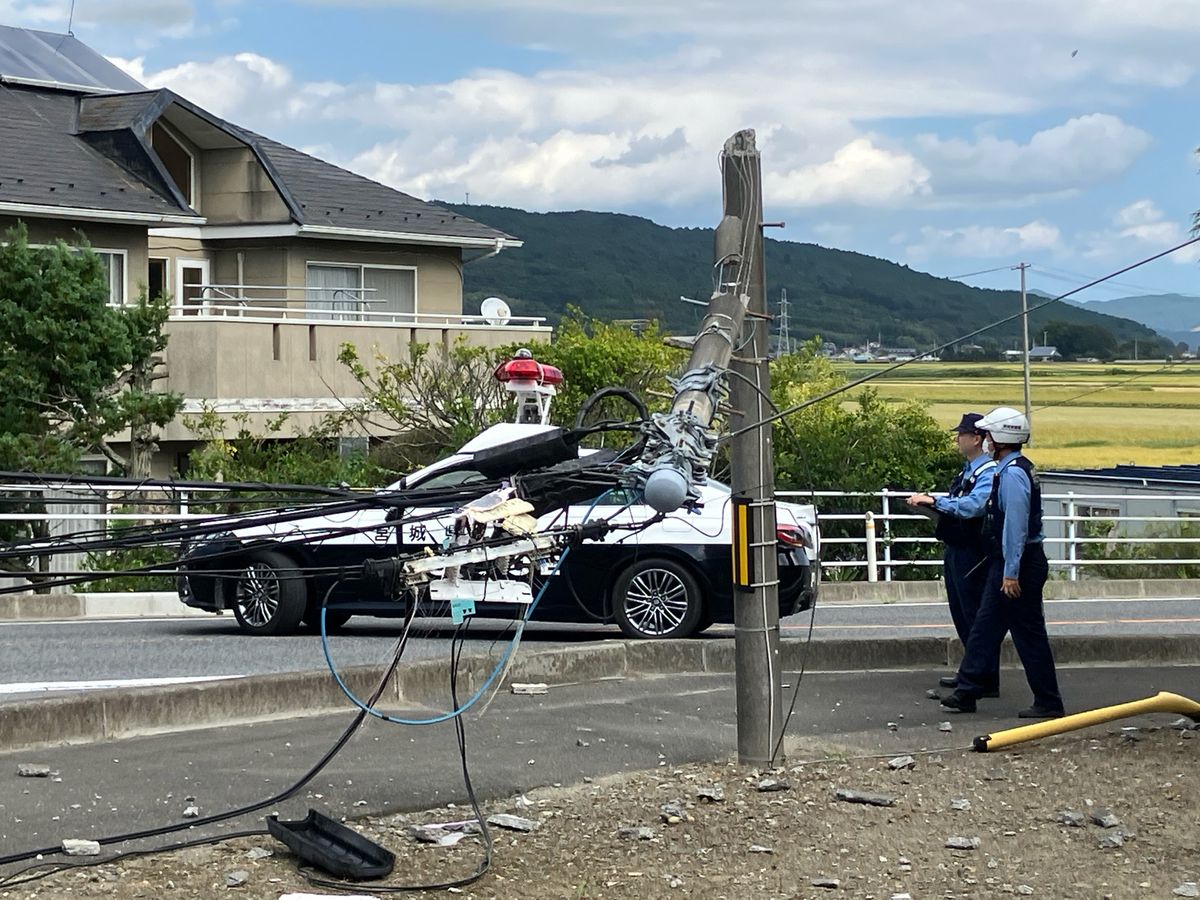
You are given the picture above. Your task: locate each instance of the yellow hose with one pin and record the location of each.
(1161, 702)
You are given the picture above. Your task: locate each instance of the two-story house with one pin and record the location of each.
(273, 258)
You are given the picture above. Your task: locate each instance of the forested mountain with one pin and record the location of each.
(1171, 315)
(616, 266)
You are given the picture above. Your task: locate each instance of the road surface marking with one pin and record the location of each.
(45, 687)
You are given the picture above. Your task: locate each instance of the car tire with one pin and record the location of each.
(657, 598)
(269, 595)
(335, 619)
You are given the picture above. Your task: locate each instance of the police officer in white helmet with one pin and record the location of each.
(1012, 600)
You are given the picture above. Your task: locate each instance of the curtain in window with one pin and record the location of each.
(395, 292)
(336, 289)
(114, 265)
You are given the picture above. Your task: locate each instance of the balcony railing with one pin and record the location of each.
(348, 306)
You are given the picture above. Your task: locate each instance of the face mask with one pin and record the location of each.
(988, 447)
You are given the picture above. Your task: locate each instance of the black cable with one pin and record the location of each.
(286, 794)
(812, 618)
(456, 648)
(55, 868)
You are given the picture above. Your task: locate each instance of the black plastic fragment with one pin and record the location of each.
(332, 847)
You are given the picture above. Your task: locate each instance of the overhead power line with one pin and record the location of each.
(978, 331)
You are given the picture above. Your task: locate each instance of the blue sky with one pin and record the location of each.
(951, 135)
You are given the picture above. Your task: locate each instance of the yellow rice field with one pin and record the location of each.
(1084, 415)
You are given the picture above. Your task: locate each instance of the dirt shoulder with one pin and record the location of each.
(799, 840)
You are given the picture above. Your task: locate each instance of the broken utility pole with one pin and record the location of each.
(680, 444)
(752, 458)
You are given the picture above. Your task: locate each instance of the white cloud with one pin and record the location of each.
(1081, 152)
(859, 173)
(145, 14)
(628, 124)
(986, 241)
(1141, 228)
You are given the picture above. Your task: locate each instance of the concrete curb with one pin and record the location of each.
(934, 591)
(112, 715)
(158, 604)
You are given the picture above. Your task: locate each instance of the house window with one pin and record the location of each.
(176, 159)
(387, 293)
(156, 277)
(114, 266)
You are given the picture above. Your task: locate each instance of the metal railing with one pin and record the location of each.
(870, 542)
(336, 305)
(1069, 519)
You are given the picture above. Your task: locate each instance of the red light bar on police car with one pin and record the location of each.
(528, 370)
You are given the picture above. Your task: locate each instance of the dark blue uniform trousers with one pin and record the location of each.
(1024, 619)
(966, 573)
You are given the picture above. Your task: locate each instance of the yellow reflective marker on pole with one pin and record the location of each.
(743, 560)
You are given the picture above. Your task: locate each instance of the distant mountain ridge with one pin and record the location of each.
(1171, 315)
(617, 266)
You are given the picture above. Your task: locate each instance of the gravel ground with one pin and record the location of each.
(798, 840)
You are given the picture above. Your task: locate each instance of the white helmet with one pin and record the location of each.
(1005, 425)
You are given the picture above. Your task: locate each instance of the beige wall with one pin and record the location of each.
(102, 236)
(287, 364)
(237, 190)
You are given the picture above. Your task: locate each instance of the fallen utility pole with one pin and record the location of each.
(680, 444)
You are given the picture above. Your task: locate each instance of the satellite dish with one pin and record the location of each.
(495, 311)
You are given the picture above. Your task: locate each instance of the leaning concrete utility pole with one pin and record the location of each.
(752, 457)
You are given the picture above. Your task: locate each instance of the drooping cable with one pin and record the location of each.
(256, 806)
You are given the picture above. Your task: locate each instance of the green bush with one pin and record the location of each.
(1096, 528)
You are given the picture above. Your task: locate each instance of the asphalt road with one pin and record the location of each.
(41, 657)
(576, 731)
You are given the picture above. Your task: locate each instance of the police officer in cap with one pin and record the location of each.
(960, 529)
(1017, 570)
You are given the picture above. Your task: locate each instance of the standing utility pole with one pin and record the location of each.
(1025, 332)
(752, 456)
(680, 445)
(785, 328)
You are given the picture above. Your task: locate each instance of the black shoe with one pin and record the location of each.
(950, 681)
(991, 695)
(1040, 712)
(958, 703)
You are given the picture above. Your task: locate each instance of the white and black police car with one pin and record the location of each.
(671, 579)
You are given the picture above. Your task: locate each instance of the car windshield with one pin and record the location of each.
(451, 478)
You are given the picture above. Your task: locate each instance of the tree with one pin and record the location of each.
(435, 401)
(62, 348)
(73, 369)
(870, 445)
(432, 403)
(1073, 339)
(593, 354)
(865, 446)
(139, 406)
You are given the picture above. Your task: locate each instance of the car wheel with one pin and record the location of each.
(657, 598)
(334, 619)
(269, 594)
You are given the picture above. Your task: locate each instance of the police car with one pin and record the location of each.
(669, 580)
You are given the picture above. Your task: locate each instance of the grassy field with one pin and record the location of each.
(1084, 415)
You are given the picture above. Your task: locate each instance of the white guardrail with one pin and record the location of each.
(1073, 523)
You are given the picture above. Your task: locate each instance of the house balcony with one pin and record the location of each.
(263, 353)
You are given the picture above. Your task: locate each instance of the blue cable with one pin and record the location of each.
(445, 717)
